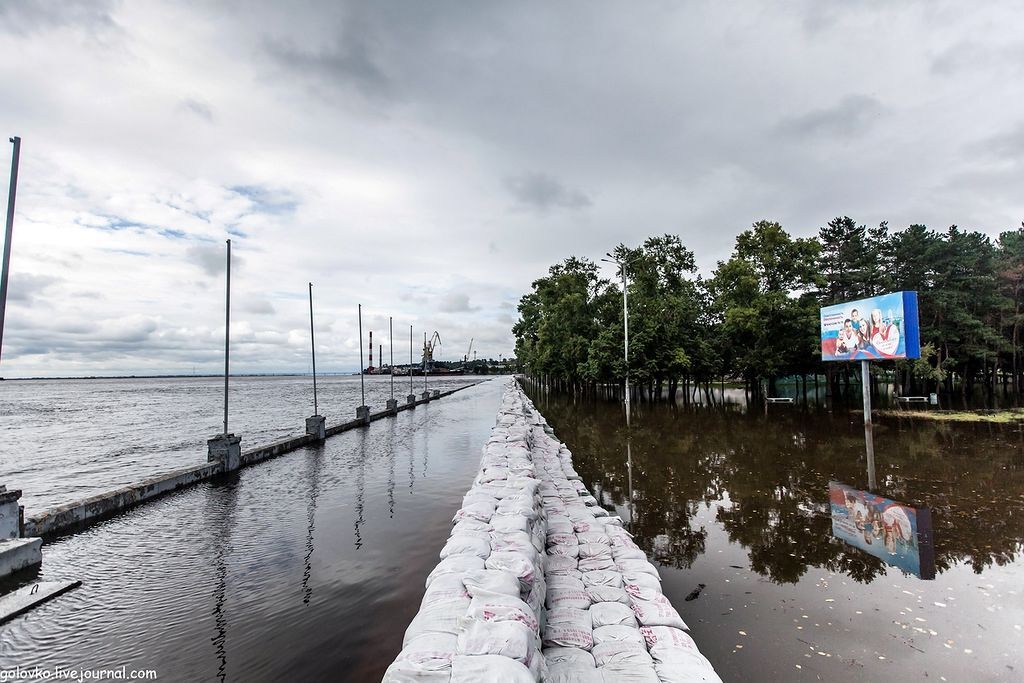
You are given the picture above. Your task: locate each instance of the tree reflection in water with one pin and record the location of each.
(767, 476)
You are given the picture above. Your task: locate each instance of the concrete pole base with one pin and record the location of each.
(316, 425)
(363, 413)
(425, 396)
(436, 393)
(393, 405)
(410, 399)
(227, 449)
(10, 514)
(19, 553)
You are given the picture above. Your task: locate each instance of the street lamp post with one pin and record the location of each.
(625, 324)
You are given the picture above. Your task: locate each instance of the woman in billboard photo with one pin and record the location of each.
(885, 336)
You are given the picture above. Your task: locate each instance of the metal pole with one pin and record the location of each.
(869, 437)
(410, 359)
(424, 361)
(625, 327)
(391, 347)
(227, 336)
(9, 235)
(312, 344)
(362, 390)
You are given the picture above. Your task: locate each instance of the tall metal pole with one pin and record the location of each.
(410, 360)
(9, 235)
(227, 336)
(391, 346)
(625, 327)
(869, 437)
(424, 361)
(362, 390)
(312, 346)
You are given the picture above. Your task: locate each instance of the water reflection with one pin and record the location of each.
(314, 465)
(766, 481)
(221, 507)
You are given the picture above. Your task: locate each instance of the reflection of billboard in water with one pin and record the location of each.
(895, 533)
(884, 326)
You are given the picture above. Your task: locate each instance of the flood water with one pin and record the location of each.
(307, 567)
(739, 502)
(63, 440)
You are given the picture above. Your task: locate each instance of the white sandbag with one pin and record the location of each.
(603, 577)
(569, 655)
(565, 582)
(612, 614)
(629, 673)
(570, 673)
(513, 540)
(439, 617)
(576, 598)
(641, 580)
(456, 564)
(518, 563)
(491, 581)
(676, 672)
(559, 564)
(596, 563)
(622, 652)
(466, 545)
(643, 592)
(556, 538)
(617, 633)
(509, 523)
(520, 505)
(568, 627)
(506, 638)
(564, 550)
(623, 552)
(607, 594)
(443, 588)
(495, 607)
(595, 550)
(657, 612)
(594, 537)
(632, 566)
(424, 659)
(480, 510)
(491, 668)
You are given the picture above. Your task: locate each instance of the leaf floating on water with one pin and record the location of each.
(743, 633)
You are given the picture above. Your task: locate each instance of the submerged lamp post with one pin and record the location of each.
(392, 403)
(363, 411)
(411, 397)
(316, 424)
(625, 323)
(9, 234)
(226, 448)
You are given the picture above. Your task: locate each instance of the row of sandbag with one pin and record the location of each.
(606, 617)
(480, 617)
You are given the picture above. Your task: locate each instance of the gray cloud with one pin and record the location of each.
(25, 17)
(852, 116)
(197, 107)
(540, 192)
(456, 302)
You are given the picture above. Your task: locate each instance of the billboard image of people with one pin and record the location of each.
(881, 327)
(895, 533)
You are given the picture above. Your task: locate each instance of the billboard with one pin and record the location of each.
(895, 533)
(877, 328)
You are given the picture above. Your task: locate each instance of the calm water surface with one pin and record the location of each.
(307, 567)
(107, 433)
(739, 502)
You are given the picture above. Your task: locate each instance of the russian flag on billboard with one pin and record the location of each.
(876, 328)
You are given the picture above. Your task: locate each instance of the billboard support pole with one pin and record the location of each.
(869, 439)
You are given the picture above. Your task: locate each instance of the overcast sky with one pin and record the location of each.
(430, 159)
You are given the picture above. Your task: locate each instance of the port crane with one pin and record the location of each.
(428, 350)
(465, 358)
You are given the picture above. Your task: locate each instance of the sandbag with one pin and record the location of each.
(491, 581)
(515, 562)
(607, 594)
(657, 612)
(424, 659)
(491, 668)
(506, 638)
(466, 545)
(617, 633)
(622, 652)
(496, 607)
(612, 614)
(439, 617)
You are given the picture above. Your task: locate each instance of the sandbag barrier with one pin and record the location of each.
(537, 582)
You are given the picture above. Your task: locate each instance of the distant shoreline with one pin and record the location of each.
(218, 376)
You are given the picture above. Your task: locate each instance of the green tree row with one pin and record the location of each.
(756, 318)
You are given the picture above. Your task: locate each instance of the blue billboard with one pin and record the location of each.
(881, 327)
(895, 533)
